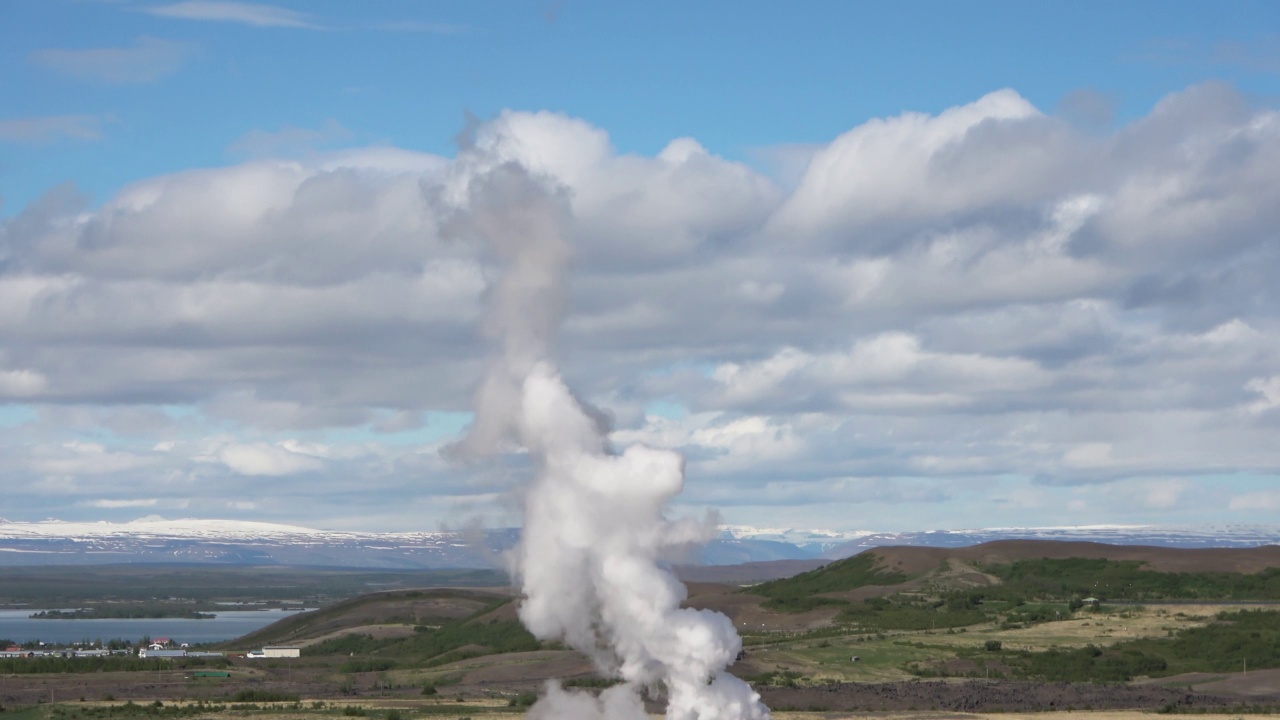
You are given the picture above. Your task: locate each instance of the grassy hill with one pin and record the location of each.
(1016, 582)
(808, 590)
(1007, 610)
(404, 609)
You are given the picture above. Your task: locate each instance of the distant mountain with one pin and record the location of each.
(232, 542)
(1202, 536)
(157, 540)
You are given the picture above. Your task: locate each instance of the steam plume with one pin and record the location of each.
(595, 523)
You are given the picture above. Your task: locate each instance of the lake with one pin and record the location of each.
(15, 625)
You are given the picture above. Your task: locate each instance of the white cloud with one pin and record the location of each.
(116, 504)
(254, 14)
(21, 383)
(147, 61)
(915, 166)
(983, 295)
(1259, 501)
(76, 458)
(1269, 389)
(888, 371)
(48, 129)
(266, 459)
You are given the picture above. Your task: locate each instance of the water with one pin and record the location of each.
(15, 625)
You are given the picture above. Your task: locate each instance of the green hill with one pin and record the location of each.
(405, 608)
(803, 592)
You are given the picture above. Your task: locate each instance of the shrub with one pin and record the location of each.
(523, 700)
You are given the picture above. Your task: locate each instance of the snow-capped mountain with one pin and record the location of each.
(157, 540)
(824, 539)
(1161, 536)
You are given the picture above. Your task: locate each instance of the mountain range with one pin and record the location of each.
(233, 542)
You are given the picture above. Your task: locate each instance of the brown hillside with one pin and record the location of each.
(917, 560)
(401, 608)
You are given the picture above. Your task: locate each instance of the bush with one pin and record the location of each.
(523, 700)
(263, 696)
(993, 646)
(359, 666)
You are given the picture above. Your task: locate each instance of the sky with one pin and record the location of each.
(867, 266)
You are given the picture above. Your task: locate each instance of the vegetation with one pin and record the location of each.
(905, 612)
(127, 611)
(1128, 580)
(592, 682)
(1057, 588)
(110, 663)
(924, 625)
(1089, 664)
(302, 623)
(129, 709)
(259, 696)
(802, 592)
(427, 647)
(1221, 647)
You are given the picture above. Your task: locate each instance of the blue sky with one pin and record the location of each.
(737, 76)
(920, 264)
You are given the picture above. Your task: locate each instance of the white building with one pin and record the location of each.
(280, 651)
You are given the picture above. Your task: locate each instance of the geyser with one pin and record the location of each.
(595, 524)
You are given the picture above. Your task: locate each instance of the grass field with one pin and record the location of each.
(501, 710)
(885, 656)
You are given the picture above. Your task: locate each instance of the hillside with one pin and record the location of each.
(383, 614)
(960, 568)
(1009, 616)
(915, 560)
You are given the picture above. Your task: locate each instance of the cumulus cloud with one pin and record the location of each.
(988, 294)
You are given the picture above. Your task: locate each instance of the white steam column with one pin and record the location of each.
(595, 525)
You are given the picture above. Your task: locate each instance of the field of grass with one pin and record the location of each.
(426, 647)
(496, 709)
(1182, 637)
(489, 708)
